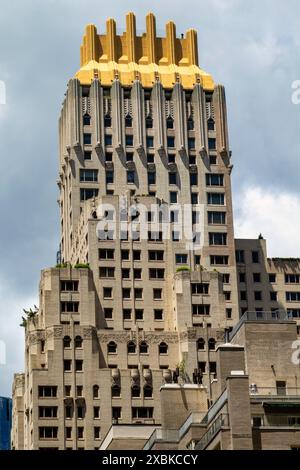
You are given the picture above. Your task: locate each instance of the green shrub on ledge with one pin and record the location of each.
(82, 266)
(183, 269)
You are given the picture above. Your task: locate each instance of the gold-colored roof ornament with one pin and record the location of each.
(170, 59)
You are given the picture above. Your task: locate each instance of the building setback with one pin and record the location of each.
(138, 308)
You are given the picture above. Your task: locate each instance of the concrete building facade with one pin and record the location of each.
(149, 280)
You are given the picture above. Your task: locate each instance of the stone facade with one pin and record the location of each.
(149, 308)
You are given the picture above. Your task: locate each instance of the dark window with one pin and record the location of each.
(201, 309)
(171, 158)
(157, 294)
(214, 179)
(71, 286)
(216, 199)
(211, 125)
(107, 292)
(108, 157)
(150, 158)
(217, 238)
(129, 157)
(171, 142)
(194, 198)
(106, 272)
(148, 391)
(108, 139)
(67, 365)
(218, 218)
(181, 258)
(158, 314)
(135, 391)
(78, 342)
(213, 159)
(130, 176)
(129, 140)
(67, 342)
(243, 295)
(173, 197)
(212, 144)
(125, 273)
(128, 121)
(156, 273)
(86, 120)
(112, 347)
(255, 257)
(88, 193)
(109, 176)
(191, 143)
(87, 139)
(272, 278)
(240, 256)
(142, 413)
(137, 273)
(190, 124)
(95, 391)
(170, 123)
(107, 121)
(150, 141)
(136, 255)
(229, 313)
(273, 296)
(211, 344)
(149, 122)
(127, 314)
(218, 260)
(200, 288)
(87, 155)
(125, 254)
(151, 177)
(108, 313)
(157, 255)
(193, 179)
(256, 277)
(201, 344)
(115, 391)
(79, 365)
(131, 348)
(116, 412)
(242, 277)
(163, 348)
(69, 307)
(292, 278)
(172, 178)
(143, 347)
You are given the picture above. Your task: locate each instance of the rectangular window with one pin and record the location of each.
(116, 412)
(129, 140)
(157, 255)
(170, 142)
(214, 179)
(69, 286)
(256, 278)
(272, 278)
(150, 158)
(48, 432)
(125, 273)
(157, 294)
(194, 198)
(107, 292)
(292, 296)
(87, 139)
(47, 412)
(151, 177)
(193, 179)
(172, 178)
(108, 140)
(108, 157)
(129, 157)
(109, 176)
(87, 155)
(242, 277)
(240, 256)
(200, 309)
(257, 295)
(229, 313)
(69, 307)
(136, 255)
(216, 238)
(125, 255)
(142, 413)
(292, 278)
(150, 141)
(139, 314)
(96, 412)
(173, 197)
(216, 199)
(67, 365)
(202, 367)
(226, 278)
(89, 176)
(155, 236)
(108, 313)
(126, 313)
(126, 293)
(227, 295)
(106, 272)
(243, 295)
(97, 434)
(212, 144)
(88, 193)
(216, 218)
(137, 273)
(200, 288)
(130, 176)
(191, 143)
(78, 365)
(106, 253)
(158, 314)
(255, 257)
(181, 258)
(273, 296)
(219, 260)
(156, 273)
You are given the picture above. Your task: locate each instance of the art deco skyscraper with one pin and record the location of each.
(142, 126)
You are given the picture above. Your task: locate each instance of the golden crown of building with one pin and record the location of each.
(147, 58)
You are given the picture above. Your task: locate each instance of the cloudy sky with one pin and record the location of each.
(253, 48)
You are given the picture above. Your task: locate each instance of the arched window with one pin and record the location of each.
(131, 347)
(67, 342)
(149, 122)
(78, 342)
(190, 124)
(135, 391)
(211, 344)
(148, 391)
(86, 120)
(107, 121)
(201, 344)
(143, 347)
(211, 125)
(128, 121)
(116, 391)
(95, 391)
(170, 122)
(163, 348)
(112, 347)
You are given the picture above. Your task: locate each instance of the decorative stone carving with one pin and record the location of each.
(58, 331)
